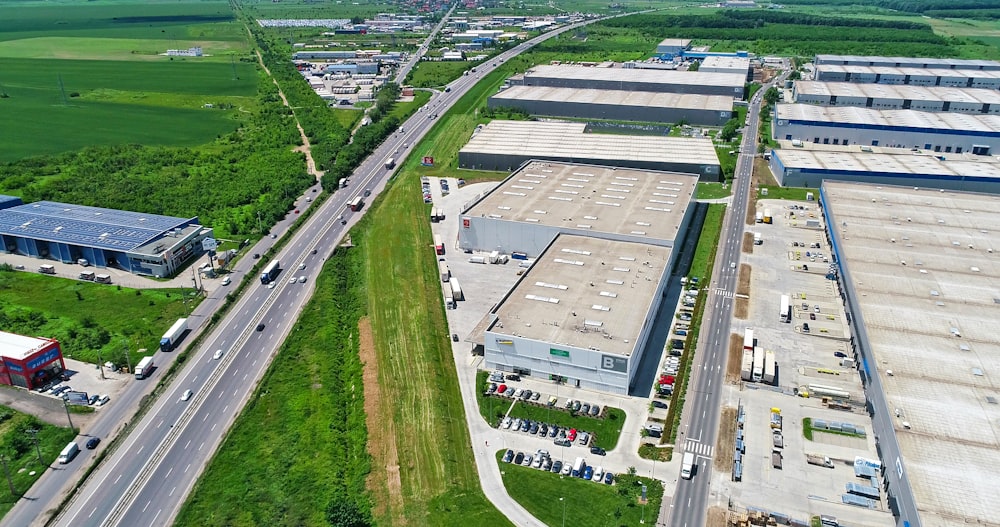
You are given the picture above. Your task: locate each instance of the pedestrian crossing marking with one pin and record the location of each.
(698, 448)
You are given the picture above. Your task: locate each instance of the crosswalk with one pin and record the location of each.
(700, 449)
(723, 293)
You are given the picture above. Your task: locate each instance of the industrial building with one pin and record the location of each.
(796, 167)
(633, 79)
(726, 64)
(919, 281)
(898, 97)
(908, 62)
(671, 47)
(617, 105)
(29, 362)
(988, 79)
(145, 244)
(940, 132)
(506, 145)
(582, 313)
(543, 199)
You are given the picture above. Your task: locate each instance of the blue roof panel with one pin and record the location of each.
(110, 229)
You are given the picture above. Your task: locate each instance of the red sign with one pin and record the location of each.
(466, 223)
(428, 161)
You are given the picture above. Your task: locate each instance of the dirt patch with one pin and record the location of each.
(762, 173)
(743, 284)
(725, 447)
(735, 358)
(748, 242)
(384, 477)
(716, 517)
(741, 304)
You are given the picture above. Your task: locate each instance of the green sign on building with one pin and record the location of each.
(558, 353)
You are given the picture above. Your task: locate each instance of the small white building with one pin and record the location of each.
(190, 52)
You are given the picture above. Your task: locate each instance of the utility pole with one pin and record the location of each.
(68, 418)
(100, 364)
(128, 360)
(6, 471)
(34, 439)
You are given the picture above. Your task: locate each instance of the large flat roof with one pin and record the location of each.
(869, 117)
(912, 72)
(541, 139)
(653, 76)
(929, 62)
(923, 264)
(676, 42)
(110, 229)
(899, 91)
(585, 292)
(729, 63)
(623, 201)
(618, 97)
(19, 347)
(844, 160)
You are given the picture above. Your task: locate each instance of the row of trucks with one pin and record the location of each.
(757, 365)
(92, 277)
(764, 217)
(777, 438)
(493, 258)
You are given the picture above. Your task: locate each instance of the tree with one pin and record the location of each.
(795, 75)
(729, 130)
(694, 66)
(771, 96)
(346, 513)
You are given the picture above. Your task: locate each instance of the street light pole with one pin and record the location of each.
(70, 419)
(563, 500)
(6, 471)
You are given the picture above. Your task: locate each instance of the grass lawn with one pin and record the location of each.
(132, 49)
(19, 449)
(701, 264)
(74, 312)
(790, 193)
(300, 444)
(585, 503)
(713, 191)
(430, 74)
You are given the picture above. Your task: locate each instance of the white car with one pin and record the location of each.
(217, 355)
(187, 395)
(271, 285)
(507, 421)
(292, 280)
(302, 279)
(301, 267)
(226, 281)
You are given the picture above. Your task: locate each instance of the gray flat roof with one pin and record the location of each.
(656, 76)
(676, 42)
(642, 203)
(541, 139)
(942, 382)
(963, 122)
(899, 91)
(913, 72)
(939, 62)
(618, 97)
(957, 165)
(19, 347)
(585, 292)
(732, 63)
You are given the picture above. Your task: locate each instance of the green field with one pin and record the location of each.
(557, 500)
(87, 48)
(75, 313)
(792, 193)
(18, 448)
(713, 190)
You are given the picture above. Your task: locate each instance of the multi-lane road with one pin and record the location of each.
(700, 424)
(147, 477)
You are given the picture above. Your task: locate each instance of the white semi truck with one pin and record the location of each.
(144, 368)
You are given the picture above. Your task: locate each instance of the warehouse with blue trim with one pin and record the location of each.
(140, 243)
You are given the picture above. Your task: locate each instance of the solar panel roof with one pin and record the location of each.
(110, 229)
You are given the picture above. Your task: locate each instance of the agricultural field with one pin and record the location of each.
(22, 458)
(76, 75)
(68, 310)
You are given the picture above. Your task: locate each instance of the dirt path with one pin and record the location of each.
(305, 147)
(383, 480)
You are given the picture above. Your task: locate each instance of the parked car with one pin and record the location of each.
(518, 458)
(557, 467)
(562, 442)
(502, 388)
(543, 430)
(535, 396)
(513, 377)
(538, 462)
(534, 428)
(608, 478)
(454, 337)
(571, 435)
(506, 423)
(588, 473)
(527, 460)
(553, 431)
(94, 398)
(518, 393)
(508, 456)
(576, 406)
(584, 438)
(526, 395)
(585, 409)
(659, 404)
(597, 451)
(567, 469)
(839, 354)
(526, 425)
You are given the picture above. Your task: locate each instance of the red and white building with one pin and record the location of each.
(29, 362)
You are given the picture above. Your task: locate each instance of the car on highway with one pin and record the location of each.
(273, 236)
(313, 251)
(732, 265)
(292, 280)
(260, 327)
(217, 355)
(186, 395)
(301, 267)
(256, 256)
(271, 285)
(302, 279)
(93, 442)
(368, 193)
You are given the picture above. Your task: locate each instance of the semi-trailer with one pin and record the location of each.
(819, 461)
(746, 370)
(456, 290)
(173, 335)
(758, 364)
(144, 368)
(445, 271)
(770, 367)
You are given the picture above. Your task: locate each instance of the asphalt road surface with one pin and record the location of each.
(700, 425)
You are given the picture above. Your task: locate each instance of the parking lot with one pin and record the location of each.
(813, 381)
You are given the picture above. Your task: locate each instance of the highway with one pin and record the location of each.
(700, 423)
(147, 477)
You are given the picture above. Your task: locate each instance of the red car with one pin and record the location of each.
(502, 388)
(296, 211)
(666, 379)
(571, 435)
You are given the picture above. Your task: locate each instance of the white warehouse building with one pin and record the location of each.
(908, 62)
(721, 64)
(898, 97)
(581, 314)
(988, 79)
(939, 132)
(544, 199)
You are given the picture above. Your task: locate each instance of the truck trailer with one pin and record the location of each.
(819, 461)
(758, 239)
(746, 369)
(445, 271)
(456, 290)
(144, 368)
(438, 245)
(748, 341)
(687, 465)
(770, 368)
(173, 335)
(785, 310)
(776, 459)
(758, 364)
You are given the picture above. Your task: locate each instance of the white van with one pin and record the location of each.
(69, 452)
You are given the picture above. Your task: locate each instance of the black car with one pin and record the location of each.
(553, 431)
(508, 456)
(93, 442)
(525, 425)
(543, 430)
(526, 395)
(659, 404)
(534, 428)
(368, 193)
(519, 458)
(597, 451)
(260, 327)
(513, 377)
(256, 256)
(94, 398)
(557, 467)
(839, 354)
(454, 337)
(595, 410)
(562, 442)
(586, 408)
(313, 251)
